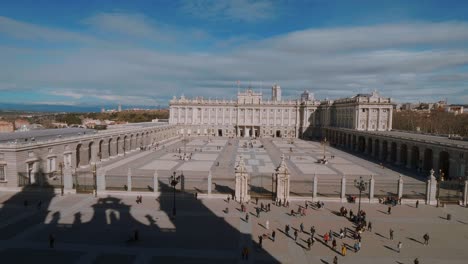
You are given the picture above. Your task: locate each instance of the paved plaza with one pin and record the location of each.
(101, 230)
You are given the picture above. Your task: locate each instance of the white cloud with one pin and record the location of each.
(238, 10)
(405, 61)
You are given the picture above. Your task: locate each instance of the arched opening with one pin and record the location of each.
(404, 154)
(376, 147)
(393, 152)
(109, 144)
(444, 164)
(90, 152)
(99, 155)
(361, 144)
(384, 150)
(415, 157)
(78, 157)
(428, 165)
(369, 146)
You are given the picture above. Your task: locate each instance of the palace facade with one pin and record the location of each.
(252, 116)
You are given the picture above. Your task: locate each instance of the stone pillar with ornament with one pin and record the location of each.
(242, 181)
(282, 181)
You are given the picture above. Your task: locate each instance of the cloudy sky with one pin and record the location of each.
(144, 52)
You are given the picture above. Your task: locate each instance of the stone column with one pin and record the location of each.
(380, 154)
(400, 187)
(155, 181)
(371, 188)
(431, 189)
(101, 179)
(343, 189)
(398, 154)
(129, 180)
(314, 189)
(409, 156)
(282, 181)
(242, 178)
(465, 194)
(209, 183)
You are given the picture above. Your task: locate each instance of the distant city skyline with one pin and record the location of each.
(141, 53)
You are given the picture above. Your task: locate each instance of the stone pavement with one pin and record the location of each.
(101, 230)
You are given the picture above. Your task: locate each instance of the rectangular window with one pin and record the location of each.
(2, 173)
(51, 164)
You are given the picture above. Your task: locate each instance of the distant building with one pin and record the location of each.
(6, 126)
(456, 109)
(20, 123)
(119, 109)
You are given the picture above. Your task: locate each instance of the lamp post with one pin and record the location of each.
(362, 186)
(439, 179)
(95, 180)
(174, 180)
(61, 178)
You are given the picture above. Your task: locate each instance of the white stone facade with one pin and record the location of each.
(251, 116)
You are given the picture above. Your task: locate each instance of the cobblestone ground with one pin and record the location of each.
(101, 230)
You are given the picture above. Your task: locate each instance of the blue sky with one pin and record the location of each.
(145, 52)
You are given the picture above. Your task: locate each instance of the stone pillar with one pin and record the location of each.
(101, 179)
(343, 189)
(380, 154)
(155, 181)
(242, 179)
(431, 190)
(282, 181)
(398, 155)
(465, 194)
(67, 179)
(314, 189)
(400, 187)
(209, 183)
(371, 188)
(129, 180)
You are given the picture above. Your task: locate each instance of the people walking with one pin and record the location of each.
(334, 244)
(302, 227)
(391, 234)
(260, 241)
(286, 229)
(426, 239)
(343, 249)
(389, 211)
(399, 246)
(417, 203)
(416, 261)
(341, 233)
(267, 224)
(295, 235)
(312, 231)
(247, 217)
(309, 243)
(273, 235)
(369, 226)
(335, 260)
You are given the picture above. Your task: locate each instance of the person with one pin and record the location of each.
(309, 243)
(334, 244)
(292, 212)
(345, 232)
(260, 239)
(426, 239)
(227, 210)
(416, 261)
(302, 227)
(325, 238)
(335, 260)
(341, 234)
(245, 253)
(247, 217)
(369, 226)
(391, 234)
(312, 231)
(267, 224)
(389, 211)
(256, 200)
(417, 203)
(343, 249)
(399, 246)
(295, 235)
(258, 213)
(228, 198)
(273, 234)
(356, 246)
(286, 229)
(51, 241)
